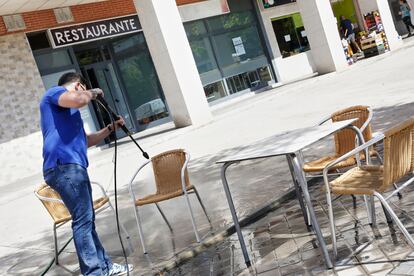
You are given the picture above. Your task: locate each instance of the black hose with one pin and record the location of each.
(115, 184)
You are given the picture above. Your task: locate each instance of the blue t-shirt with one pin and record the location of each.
(64, 138)
(346, 25)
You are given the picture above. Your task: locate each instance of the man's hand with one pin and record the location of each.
(96, 92)
(97, 137)
(118, 123)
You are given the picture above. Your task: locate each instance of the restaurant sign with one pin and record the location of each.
(75, 34)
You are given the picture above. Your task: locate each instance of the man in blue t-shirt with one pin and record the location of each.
(65, 165)
(348, 32)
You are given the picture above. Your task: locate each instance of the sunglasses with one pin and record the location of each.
(82, 86)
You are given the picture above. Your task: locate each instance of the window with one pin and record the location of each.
(63, 15)
(231, 21)
(14, 22)
(38, 41)
(290, 34)
(53, 60)
(143, 90)
(214, 91)
(228, 46)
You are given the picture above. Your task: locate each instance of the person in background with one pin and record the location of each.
(405, 13)
(65, 165)
(348, 32)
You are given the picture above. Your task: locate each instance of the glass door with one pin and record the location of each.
(139, 78)
(102, 75)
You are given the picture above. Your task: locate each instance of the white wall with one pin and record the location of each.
(289, 68)
(204, 9)
(367, 6)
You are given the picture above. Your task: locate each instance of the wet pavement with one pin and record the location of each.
(281, 243)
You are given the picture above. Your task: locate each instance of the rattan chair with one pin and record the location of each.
(60, 214)
(345, 139)
(374, 180)
(171, 179)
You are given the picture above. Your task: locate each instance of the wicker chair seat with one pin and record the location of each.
(319, 164)
(65, 216)
(154, 198)
(364, 180)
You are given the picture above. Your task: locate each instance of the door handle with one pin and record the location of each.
(116, 100)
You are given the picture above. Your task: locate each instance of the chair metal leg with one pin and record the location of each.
(192, 216)
(407, 235)
(121, 225)
(387, 215)
(332, 224)
(368, 206)
(372, 207)
(201, 203)
(354, 201)
(396, 187)
(140, 232)
(164, 217)
(56, 245)
(379, 158)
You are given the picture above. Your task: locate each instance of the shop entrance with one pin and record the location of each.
(102, 75)
(123, 69)
(362, 35)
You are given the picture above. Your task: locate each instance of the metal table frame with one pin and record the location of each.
(295, 163)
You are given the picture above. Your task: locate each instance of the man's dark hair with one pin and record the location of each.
(69, 78)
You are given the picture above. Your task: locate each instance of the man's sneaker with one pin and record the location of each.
(120, 269)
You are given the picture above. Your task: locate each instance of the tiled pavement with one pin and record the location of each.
(281, 244)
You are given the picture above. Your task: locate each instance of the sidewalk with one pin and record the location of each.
(384, 82)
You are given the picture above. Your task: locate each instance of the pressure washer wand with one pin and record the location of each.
(102, 101)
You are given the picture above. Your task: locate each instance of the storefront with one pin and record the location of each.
(370, 38)
(229, 52)
(296, 55)
(112, 54)
(165, 60)
(120, 64)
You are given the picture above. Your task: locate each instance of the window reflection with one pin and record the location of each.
(228, 47)
(140, 79)
(290, 34)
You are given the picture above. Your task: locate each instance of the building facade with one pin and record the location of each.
(163, 60)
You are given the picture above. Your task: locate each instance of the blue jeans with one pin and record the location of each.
(72, 183)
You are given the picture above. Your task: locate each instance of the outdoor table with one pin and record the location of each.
(290, 144)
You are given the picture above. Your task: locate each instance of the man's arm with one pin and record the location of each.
(75, 99)
(97, 137)
(78, 98)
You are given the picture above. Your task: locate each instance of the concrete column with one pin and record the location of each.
(322, 31)
(174, 61)
(394, 39)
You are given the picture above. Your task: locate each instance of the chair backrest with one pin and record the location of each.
(412, 155)
(345, 139)
(167, 168)
(398, 153)
(52, 202)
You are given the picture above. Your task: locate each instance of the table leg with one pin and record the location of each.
(299, 193)
(233, 213)
(297, 166)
